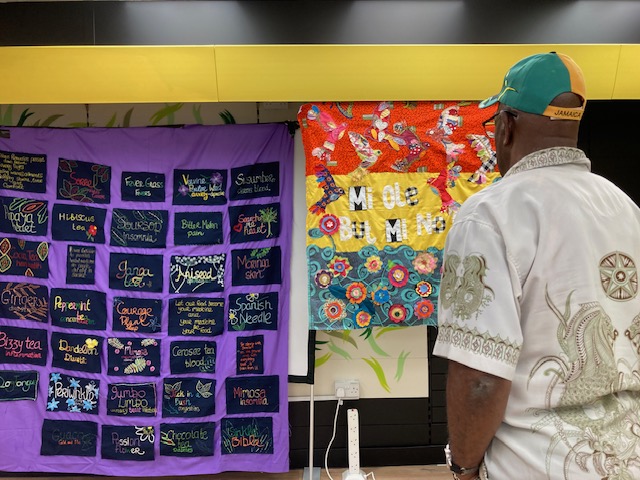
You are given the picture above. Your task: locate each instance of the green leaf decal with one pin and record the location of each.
(391, 328)
(377, 368)
(332, 346)
(167, 112)
(111, 122)
(344, 336)
(126, 121)
(375, 347)
(400, 368)
(197, 114)
(8, 114)
(23, 117)
(323, 359)
(51, 119)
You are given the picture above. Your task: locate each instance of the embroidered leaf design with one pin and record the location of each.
(172, 388)
(42, 251)
(115, 342)
(67, 166)
(165, 440)
(147, 341)
(204, 389)
(138, 365)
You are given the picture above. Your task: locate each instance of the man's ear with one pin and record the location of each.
(508, 126)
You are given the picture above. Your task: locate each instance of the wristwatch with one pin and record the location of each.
(454, 467)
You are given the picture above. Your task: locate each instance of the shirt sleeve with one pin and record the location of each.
(478, 309)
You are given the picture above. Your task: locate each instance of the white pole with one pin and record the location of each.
(311, 430)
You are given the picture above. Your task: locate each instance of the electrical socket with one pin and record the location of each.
(348, 389)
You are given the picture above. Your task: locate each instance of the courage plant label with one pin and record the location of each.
(142, 315)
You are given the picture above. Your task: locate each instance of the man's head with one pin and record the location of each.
(539, 106)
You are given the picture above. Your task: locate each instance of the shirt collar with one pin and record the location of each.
(550, 157)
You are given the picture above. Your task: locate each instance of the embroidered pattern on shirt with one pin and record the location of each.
(549, 157)
(619, 276)
(463, 286)
(471, 340)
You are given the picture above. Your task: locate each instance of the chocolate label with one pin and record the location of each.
(128, 443)
(24, 172)
(197, 274)
(132, 399)
(81, 265)
(187, 439)
(78, 223)
(258, 266)
(198, 228)
(76, 352)
(250, 355)
(23, 345)
(71, 308)
(142, 315)
(253, 311)
(18, 385)
(193, 357)
(142, 187)
(253, 181)
(246, 435)
(135, 272)
(139, 228)
(134, 356)
(251, 223)
(83, 181)
(65, 437)
(253, 394)
(199, 187)
(21, 257)
(23, 216)
(188, 397)
(196, 316)
(24, 301)
(72, 394)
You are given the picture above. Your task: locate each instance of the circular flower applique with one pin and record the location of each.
(398, 276)
(323, 278)
(423, 309)
(335, 310)
(373, 263)
(380, 295)
(356, 292)
(397, 313)
(424, 289)
(329, 224)
(363, 319)
(340, 266)
(425, 263)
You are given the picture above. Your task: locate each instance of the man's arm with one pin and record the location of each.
(476, 402)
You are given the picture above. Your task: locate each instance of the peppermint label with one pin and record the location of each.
(199, 187)
(81, 265)
(76, 352)
(24, 301)
(188, 397)
(64, 437)
(187, 439)
(23, 345)
(139, 228)
(128, 443)
(142, 187)
(250, 355)
(246, 435)
(253, 311)
(253, 394)
(71, 308)
(253, 181)
(24, 258)
(258, 266)
(83, 182)
(23, 172)
(18, 385)
(132, 399)
(251, 223)
(141, 273)
(198, 228)
(78, 223)
(196, 316)
(134, 356)
(23, 216)
(197, 274)
(193, 357)
(142, 315)
(72, 394)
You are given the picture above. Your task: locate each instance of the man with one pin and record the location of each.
(539, 307)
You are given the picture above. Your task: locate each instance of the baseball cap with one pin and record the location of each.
(532, 84)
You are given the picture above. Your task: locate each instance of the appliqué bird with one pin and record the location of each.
(332, 192)
(334, 131)
(446, 179)
(368, 156)
(406, 136)
(482, 146)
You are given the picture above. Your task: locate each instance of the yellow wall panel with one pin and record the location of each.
(628, 78)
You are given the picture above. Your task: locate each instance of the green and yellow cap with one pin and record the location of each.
(532, 84)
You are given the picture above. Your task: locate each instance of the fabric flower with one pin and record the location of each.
(340, 266)
(356, 292)
(363, 318)
(323, 278)
(423, 309)
(425, 263)
(329, 224)
(216, 178)
(373, 263)
(380, 295)
(397, 313)
(398, 276)
(183, 190)
(93, 230)
(335, 310)
(424, 289)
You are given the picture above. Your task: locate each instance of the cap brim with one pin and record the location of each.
(489, 101)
